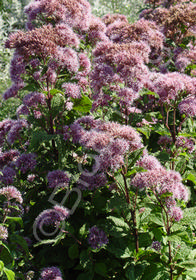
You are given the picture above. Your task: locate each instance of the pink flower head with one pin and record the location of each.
(51, 273)
(176, 213)
(67, 58)
(3, 232)
(188, 106)
(72, 90)
(31, 177)
(91, 182)
(66, 35)
(11, 193)
(150, 163)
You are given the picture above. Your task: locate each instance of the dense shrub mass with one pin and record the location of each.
(97, 175)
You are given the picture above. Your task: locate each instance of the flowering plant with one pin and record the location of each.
(97, 166)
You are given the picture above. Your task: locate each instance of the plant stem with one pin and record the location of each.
(133, 213)
(170, 261)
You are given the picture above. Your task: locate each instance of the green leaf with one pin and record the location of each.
(54, 91)
(2, 244)
(134, 156)
(145, 130)
(189, 217)
(191, 177)
(19, 240)
(145, 239)
(119, 222)
(156, 219)
(15, 220)
(148, 92)
(191, 273)
(39, 137)
(1, 266)
(188, 264)
(83, 105)
(120, 248)
(57, 104)
(155, 272)
(83, 230)
(9, 273)
(101, 269)
(73, 251)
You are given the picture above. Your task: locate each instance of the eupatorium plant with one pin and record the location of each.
(97, 177)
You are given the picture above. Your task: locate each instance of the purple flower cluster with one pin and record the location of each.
(188, 106)
(185, 143)
(75, 14)
(57, 178)
(119, 63)
(92, 182)
(12, 129)
(15, 130)
(33, 99)
(110, 139)
(162, 182)
(8, 156)
(52, 216)
(26, 162)
(170, 86)
(156, 245)
(72, 90)
(8, 175)
(97, 238)
(17, 68)
(186, 57)
(51, 273)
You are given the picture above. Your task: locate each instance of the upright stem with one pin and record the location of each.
(174, 126)
(135, 231)
(133, 214)
(170, 261)
(167, 228)
(51, 128)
